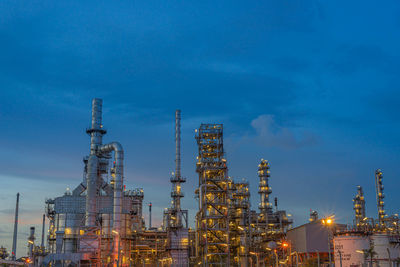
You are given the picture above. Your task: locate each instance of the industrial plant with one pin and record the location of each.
(100, 222)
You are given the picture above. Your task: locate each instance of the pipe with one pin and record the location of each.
(178, 143)
(43, 224)
(14, 245)
(96, 132)
(150, 205)
(91, 188)
(96, 135)
(118, 185)
(31, 242)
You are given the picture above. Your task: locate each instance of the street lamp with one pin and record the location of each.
(328, 222)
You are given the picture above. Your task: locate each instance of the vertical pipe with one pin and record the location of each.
(178, 143)
(118, 186)
(43, 225)
(150, 215)
(31, 240)
(96, 134)
(91, 188)
(14, 245)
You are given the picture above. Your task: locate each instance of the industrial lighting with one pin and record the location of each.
(285, 244)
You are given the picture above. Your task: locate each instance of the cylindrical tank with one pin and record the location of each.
(348, 249)
(386, 252)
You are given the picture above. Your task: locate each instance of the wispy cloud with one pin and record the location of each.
(271, 134)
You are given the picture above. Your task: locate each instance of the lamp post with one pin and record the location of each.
(119, 245)
(328, 222)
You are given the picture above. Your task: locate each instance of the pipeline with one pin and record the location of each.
(118, 185)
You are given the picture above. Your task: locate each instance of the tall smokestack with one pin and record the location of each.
(178, 143)
(43, 225)
(150, 215)
(14, 245)
(96, 135)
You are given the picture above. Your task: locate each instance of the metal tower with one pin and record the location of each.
(264, 189)
(178, 238)
(212, 222)
(379, 196)
(359, 206)
(177, 179)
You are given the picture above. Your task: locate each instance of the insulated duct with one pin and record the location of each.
(118, 185)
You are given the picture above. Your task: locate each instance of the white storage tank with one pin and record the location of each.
(387, 251)
(348, 249)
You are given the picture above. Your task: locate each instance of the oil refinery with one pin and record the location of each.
(101, 222)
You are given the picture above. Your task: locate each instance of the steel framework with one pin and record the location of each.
(212, 222)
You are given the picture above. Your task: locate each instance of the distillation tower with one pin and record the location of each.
(264, 190)
(359, 207)
(379, 197)
(212, 222)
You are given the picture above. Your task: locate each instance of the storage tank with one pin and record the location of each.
(348, 249)
(387, 251)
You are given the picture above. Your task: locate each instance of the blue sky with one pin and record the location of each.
(312, 86)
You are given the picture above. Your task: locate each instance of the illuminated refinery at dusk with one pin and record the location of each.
(199, 133)
(100, 222)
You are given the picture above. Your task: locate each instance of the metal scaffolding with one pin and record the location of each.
(212, 222)
(239, 223)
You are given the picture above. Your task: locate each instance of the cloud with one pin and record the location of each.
(270, 134)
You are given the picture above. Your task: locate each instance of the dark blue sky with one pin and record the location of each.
(312, 86)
